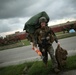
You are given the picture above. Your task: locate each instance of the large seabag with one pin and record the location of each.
(33, 23)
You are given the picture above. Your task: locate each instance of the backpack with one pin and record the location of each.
(61, 56)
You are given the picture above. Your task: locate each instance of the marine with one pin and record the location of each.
(44, 37)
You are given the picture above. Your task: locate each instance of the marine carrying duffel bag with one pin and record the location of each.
(33, 23)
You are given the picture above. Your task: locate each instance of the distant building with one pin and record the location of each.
(20, 35)
(56, 28)
(66, 26)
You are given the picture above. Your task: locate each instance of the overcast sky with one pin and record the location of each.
(14, 13)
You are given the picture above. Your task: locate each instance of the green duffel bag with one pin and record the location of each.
(33, 23)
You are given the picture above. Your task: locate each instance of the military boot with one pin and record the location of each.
(56, 70)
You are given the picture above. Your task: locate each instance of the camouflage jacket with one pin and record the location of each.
(45, 36)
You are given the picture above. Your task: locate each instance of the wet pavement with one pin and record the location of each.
(70, 72)
(22, 54)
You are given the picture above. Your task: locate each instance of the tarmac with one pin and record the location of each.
(70, 72)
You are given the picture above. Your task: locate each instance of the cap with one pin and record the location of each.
(42, 19)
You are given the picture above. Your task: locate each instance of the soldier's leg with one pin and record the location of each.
(53, 59)
(44, 55)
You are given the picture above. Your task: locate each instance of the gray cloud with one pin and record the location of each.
(14, 8)
(11, 11)
(4, 27)
(55, 8)
(61, 9)
(10, 25)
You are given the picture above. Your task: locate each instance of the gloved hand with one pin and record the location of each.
(31, 43)
(58, 43)
(37, 51)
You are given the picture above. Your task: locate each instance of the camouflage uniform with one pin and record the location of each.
(30, 37)
(44, 37)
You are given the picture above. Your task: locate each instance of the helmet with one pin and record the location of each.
(42, 19)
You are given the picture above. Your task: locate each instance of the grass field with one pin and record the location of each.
(36, 68)
(66, 35)
(25, 42)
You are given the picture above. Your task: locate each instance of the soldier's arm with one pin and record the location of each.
(55, 37)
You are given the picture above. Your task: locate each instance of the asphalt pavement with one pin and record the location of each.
(70, 72)
(22, 54)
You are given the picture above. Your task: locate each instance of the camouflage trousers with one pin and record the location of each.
(45, 52)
